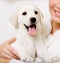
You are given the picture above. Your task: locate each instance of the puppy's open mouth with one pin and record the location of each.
(31, 29)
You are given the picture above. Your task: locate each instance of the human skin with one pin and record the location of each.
(54, 7)
(3, 60)
(6, 51)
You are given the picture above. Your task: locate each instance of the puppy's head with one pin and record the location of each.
(29, 18)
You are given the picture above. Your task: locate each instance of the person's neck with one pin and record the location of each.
(55, 26)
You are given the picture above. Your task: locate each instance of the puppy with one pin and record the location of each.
(28, 23)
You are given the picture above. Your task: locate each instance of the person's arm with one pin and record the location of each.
(6, 51)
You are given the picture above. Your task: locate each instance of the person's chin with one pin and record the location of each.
(56, 19)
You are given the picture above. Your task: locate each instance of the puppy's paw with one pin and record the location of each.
(56, 58)
(48, 60)
(38, 60)
(28, 59)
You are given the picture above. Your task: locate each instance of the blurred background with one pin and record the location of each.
(6, 28)
(22, 0)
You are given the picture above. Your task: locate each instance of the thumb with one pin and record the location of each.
(11, 40)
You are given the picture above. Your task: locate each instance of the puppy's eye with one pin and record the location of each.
(36, 12)
(24, 13)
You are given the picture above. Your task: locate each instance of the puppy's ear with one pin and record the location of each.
(14, 20)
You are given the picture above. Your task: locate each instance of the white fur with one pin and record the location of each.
(54, 47)
(27, 46)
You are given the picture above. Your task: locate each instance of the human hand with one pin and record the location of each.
(6, 51)
(3, 60)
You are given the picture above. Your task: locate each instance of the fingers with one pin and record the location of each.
(3, 55)
(11, 40)
(9, 54)
(13, 52)
(7, 51)
(4, 60)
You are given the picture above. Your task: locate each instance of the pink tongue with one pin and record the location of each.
(32, 31)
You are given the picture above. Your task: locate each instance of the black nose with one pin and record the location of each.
(33, 19)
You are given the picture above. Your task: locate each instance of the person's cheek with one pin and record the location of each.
(50, 6)
(59, 1)
(52, 3)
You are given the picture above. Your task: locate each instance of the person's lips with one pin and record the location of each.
(57, 12)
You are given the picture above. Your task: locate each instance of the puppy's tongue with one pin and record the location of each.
(32, 31)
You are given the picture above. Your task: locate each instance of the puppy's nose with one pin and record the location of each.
(33, 19)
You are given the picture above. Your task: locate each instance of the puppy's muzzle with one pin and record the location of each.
(32, 24)
(32, 20)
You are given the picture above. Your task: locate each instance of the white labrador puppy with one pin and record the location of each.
(28, 22)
